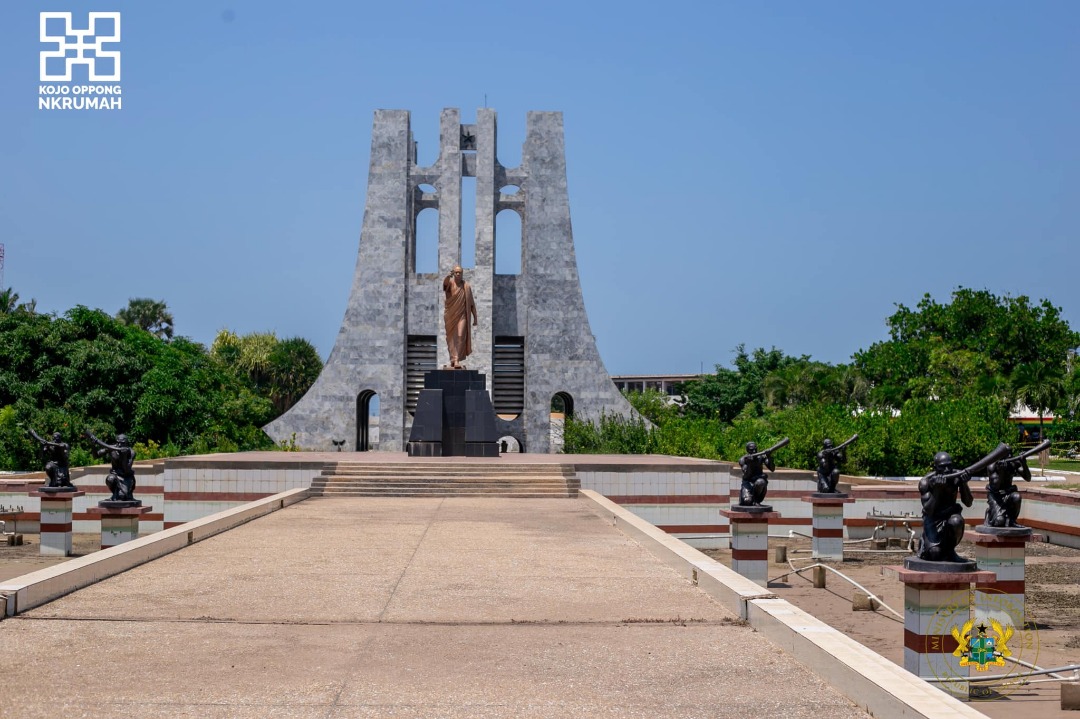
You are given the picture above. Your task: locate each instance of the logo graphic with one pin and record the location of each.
(68, 48)
(80, 47)
(981, 651)
(976, 630)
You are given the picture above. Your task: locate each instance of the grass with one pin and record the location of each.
(1059, 465)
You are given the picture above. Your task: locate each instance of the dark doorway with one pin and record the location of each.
(367, 421)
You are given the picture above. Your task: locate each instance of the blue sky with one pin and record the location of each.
(774, 174)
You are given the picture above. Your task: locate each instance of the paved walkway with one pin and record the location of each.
(402, 608)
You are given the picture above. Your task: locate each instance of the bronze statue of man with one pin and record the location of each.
(943, 523)
(55, 454)
(121, 477)
(458, 308)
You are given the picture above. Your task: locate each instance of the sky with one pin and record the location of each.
(774, 174)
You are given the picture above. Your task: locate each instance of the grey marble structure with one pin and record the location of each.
(392, 307)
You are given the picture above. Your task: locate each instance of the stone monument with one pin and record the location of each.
(532, 341)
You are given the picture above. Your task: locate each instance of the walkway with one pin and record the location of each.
(338, 608)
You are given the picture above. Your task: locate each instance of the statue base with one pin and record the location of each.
(119, 524)
(1017, 532)
(58, 490)
(454, 416)
(916, 564)
(54, 520)
(935, 602)
(1001, 550)
(828, 524)
(119, 503)
(751, 508)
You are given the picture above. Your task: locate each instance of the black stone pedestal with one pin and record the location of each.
(454, 417)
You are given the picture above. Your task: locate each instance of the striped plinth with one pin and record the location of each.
(828, 525)
(55, 521)
(1001, 552)
(118, 525)
(934, 604)
(750, 543)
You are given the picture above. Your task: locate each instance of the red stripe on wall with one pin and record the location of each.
(828, 533)
(55, 527)
(139, 489)
(929, 643)
(1052, 527)
(1011, 586)
(216, 496)
(148, 517)
(658, 499)
(694, 528)
(750, 554)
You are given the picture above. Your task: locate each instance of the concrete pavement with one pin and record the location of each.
(402, 608)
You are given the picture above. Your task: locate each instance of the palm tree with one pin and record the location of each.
(151, 315)
(1040, 385)
(9, 301)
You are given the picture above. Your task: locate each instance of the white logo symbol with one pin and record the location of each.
(73, 45)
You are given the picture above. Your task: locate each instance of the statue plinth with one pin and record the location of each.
(750, 540)
(119, 524)
(936, 602)
(69, 489)
(119, 503)
(1001, 550)
(828, 524)
(54, 524)
(927, 566)
(454, 416)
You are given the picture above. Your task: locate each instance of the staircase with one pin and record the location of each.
(401, 479)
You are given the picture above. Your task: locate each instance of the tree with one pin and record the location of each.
(967, 346)
(278, 370)
(726, 393)
(1039, 385)
(294, 365)
(9, 301)
(150, 315)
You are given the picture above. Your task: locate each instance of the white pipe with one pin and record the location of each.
(843, 576)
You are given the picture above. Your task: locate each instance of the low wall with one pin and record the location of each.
(23, 593)
(683, 498)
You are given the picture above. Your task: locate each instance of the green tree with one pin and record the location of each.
(725, 394)
(294, 365)
(9, 301)
(148, 314)
(1039, 385)
(967, 346)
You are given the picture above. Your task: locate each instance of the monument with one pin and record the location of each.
(531, 342)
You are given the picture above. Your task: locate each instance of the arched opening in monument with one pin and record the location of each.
(510, 190)
(562, 408)
(427, 189)
(508, 243)
(426, 247)
(468, 222)
(367, 421)
(509, 444)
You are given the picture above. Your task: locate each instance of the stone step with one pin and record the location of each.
(485, 495)
(422, 485)
(449, 472)
(446, 477)
(344, 479)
